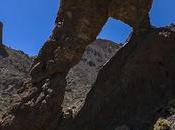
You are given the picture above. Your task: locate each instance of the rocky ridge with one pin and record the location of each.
(14, 71)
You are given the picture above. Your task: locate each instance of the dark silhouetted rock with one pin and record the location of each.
(132, 87)
(3, 52)
(1, 32)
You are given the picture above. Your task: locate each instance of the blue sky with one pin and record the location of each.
(28, 23)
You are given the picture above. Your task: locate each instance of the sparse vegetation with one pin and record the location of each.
(162, 124)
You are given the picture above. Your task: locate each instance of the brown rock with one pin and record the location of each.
(77, 25)
(14, 72)
(3, 52)
(133, 86)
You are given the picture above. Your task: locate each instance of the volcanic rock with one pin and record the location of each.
(81, 77)
(132, 87)
(77, 25)
(14, 71)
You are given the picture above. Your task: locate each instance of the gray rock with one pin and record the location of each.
(81, 77)
(13, 73)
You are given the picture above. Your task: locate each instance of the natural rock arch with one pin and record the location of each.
(116, 31)
(77, 25)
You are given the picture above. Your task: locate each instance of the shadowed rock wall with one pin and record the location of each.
(132, 88)
(77, 25)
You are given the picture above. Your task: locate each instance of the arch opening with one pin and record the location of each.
(116, 31)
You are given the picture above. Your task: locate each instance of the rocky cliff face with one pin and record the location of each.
(14, 71)
(130, 89)
(81, 77)
(133, 88)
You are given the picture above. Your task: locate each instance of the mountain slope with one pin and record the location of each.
(14, 71)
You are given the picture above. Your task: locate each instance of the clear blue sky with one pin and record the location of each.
(28, 23)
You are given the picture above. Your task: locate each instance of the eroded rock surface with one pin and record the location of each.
(133, 87)
(81, 77)
(14, 71)
(77, 25)
(3, 52)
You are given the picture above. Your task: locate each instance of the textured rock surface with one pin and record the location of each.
(81, 77)
(166, 119)
(77, 25)
(171, 119)
(14, 71)
(3, 52)
(133, 87)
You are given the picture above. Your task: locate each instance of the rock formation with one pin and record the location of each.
(3, 52)
(14, 72)
(81, 77)
(78, 82)
(131, 90)
(77, 25)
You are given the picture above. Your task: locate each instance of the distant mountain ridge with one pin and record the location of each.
(82, 76)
